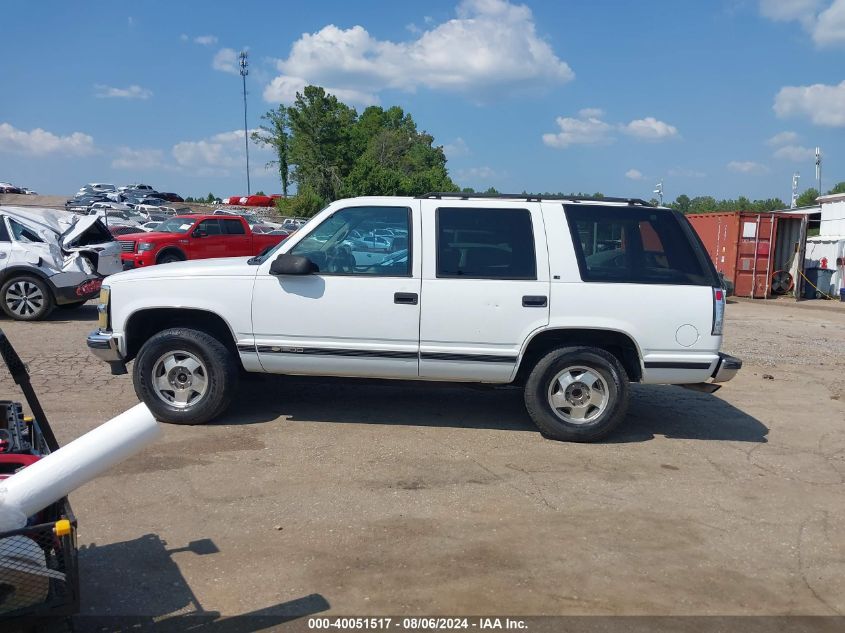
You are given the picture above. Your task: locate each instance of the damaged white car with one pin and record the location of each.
(51, 258)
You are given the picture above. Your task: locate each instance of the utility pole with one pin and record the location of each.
(795, 177)
(819, 168)
(244, 69)
(659, 191)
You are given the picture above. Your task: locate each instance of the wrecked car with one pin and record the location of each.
(51, 258)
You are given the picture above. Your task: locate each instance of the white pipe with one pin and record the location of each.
(49, 479)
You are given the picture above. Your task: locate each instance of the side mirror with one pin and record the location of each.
(199, 233)
(286, 264)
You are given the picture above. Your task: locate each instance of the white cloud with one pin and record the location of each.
(206, 40)
(589, 128)
(585, 130)
(634, 174)
(686, 173)
(591, 113)
(184, 37)
(782, 138)
(132, 92)
(788, 10)
(822, 104)
(283, 89)
(456, 148)
(219, 154)
(795, 153)
(746, 167)
(830, 26)
(650, 129)
(40, 142)
(824, 20)
(491, 44)
(146, 159)
(226, 60)
(477, 174)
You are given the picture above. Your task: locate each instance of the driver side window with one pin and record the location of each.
(361, 241)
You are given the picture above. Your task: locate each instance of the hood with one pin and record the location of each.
(151, 236)
(221, 267)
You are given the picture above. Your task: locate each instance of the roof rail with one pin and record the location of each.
(528, 197)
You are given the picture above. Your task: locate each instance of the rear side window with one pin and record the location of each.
(233, 227)
(635, 245)
(485, 244)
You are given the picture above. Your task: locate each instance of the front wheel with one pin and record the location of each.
(185, 376)
(577, 394)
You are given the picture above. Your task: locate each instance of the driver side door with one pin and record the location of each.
(359, 315)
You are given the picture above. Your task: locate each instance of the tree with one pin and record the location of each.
(808, 198)
(320, 148)
(838, 188)
(681, 203)
(303, 205)
(276, 134)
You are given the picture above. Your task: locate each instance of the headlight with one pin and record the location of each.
(103, 308)
(145, 246)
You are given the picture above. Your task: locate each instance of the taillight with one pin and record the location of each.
(718, 311)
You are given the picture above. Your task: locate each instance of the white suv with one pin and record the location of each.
(572, 299)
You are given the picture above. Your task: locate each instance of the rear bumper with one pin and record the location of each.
(726, 368)
(88, 289)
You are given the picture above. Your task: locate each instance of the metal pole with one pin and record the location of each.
(802, 246)
(244, 70)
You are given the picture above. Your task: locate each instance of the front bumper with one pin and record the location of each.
(105, 346)
(726, 368)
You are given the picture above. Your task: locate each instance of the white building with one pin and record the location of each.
(827, 250)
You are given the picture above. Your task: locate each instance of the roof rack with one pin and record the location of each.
(528, 197)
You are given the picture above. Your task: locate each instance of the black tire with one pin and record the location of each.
(219, 368)
(168, 257)
(39, 305)
(615, 389)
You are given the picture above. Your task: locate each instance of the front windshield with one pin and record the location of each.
(175, 225)
(262, 258)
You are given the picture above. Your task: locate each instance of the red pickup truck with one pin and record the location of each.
(194, 237)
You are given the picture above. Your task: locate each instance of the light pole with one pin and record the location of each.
(244, 69)
(659, 191)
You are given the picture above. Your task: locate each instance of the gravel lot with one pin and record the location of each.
(395, 499)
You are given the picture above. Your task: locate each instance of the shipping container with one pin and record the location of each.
(748, 248)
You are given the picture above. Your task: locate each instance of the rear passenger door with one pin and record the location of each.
(485, 287)
(236, 242)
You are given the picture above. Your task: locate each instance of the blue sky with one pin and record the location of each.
(724, 97)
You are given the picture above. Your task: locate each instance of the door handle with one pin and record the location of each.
(406, 298)
(535, 301)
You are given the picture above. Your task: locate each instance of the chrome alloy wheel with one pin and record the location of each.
(578, 395)
(24, 298)
(180, 379)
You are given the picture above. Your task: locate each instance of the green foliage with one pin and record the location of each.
(304, 204)
(333, 152)
(210, 198)
(808, 198)
(838, 188)
(260, 193)
(709, 204)
(276, 134)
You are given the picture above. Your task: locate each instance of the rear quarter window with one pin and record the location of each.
(636, 245)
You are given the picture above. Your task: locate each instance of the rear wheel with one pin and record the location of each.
(185, 376)
(26, 298)
(577, 394)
